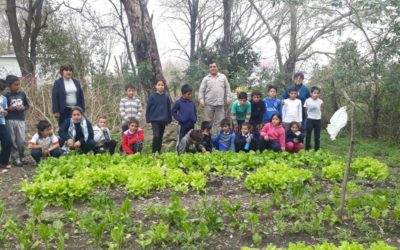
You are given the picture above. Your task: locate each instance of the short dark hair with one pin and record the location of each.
(42, 125)
(66, 66)
(196, 135)
(242, 95)
(129, 86)
(133, 120)
(206, 125)
(76, 108)
(294, 123)
(272, 87)
(292, 90)
(246, 124)
(186, 88)
(277, 115)
(314, 88)
(225, 122)
(10, 79)
(160, 80)
(3, 85)
(255, 93)
(299, 74)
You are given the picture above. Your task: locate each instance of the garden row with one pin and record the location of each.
(77, 177)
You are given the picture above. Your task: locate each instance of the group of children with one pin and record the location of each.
(254, 125)
(258, 124)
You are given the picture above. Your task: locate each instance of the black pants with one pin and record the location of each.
(86, 146)
(158, 133)
(6, 145)
(65, 115)
(271, 145)
(184, 129)
(316, 125)
(37, 153)
(107, 146)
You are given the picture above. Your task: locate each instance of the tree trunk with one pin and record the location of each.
(21, 48)
(194, 14)
(143, 39)
(290, 64)
(227, 40)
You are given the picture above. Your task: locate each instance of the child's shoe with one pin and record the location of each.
(18, 163)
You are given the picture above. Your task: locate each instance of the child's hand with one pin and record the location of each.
(266, 138)
(77, 144)
(70, 143)
(12, 107)
(248, 139)
(45, 152)
(57, 115)
(20, 108)
(295, 140)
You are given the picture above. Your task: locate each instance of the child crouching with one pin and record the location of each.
(224, 141)
(244, 140)
(191, 142)
(132, 139)
(102, 137)
(294, 138)
(44, 142)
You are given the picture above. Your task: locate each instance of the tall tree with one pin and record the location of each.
(143, 39)
(296, 26)
(227, 40)
(24, 39)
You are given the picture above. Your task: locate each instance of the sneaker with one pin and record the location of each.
(8, 166)
(24, 162)
(18, 163)
(3, 170)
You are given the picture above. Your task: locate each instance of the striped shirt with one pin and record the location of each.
(128, 108)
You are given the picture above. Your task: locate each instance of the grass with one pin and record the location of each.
(387, 152)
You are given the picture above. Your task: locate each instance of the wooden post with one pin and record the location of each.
(350, 156)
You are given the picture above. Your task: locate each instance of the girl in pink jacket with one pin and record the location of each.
(272, 135)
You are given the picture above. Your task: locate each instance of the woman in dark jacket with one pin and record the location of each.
(77, 132)
(67, 93)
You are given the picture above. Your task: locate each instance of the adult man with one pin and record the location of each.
(213, 93)
(302, 92)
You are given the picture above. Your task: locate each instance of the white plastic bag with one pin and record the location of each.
(337, 122)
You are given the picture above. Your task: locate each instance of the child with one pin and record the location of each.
(191, 143)
(184, 111)
(272, 104)
(15, 120)
(4, 135)
(313, 107)
(244, 140)
(158, 113)
(102, 137)
(292, 109)
(77, 132)
(206, 136)
(129, 106)
(257, 111)
(294, 138)
(241, 111)
(132, 139)
(225, 140)
(273, 135)
(44, 142)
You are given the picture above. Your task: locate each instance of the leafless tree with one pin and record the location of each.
(143, 39)
(297, 27)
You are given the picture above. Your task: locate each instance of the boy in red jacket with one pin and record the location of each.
(132, 139)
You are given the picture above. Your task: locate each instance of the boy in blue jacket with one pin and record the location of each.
(225, 140)
(184, 111)
(273, 105)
